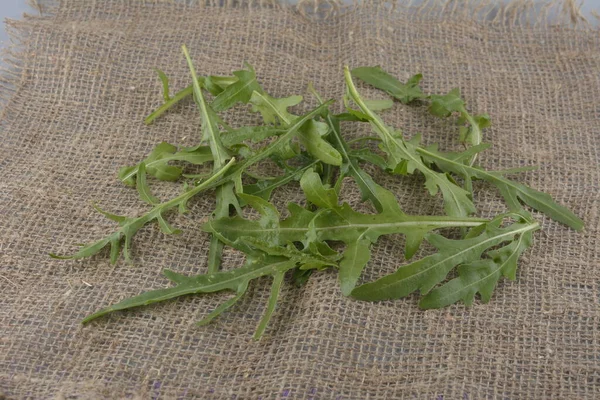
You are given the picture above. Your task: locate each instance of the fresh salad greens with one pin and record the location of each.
(323, 232)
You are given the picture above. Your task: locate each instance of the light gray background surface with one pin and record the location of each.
(13, 9)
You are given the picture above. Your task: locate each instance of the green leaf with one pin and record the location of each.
(300, 276)
(311, 134)
(275, 288)
(225, 306)
(356, 256)
(253, 133)
(366, 154)
(472, 134)
(311, 137)
(165, 227)
(316, 193)
(165, 82)
(239, 91)
(273, 110)
(283, 140)
(257, 265)
(214, 84)
(89, 249)
(377, 77)
(350, 166)
(334, 222)
(142, 186)
(427, 272)
(210, 128)
(379, 105)
(112, 217)
(205, 283)
(510, 190)
(403, 159)
(444, 105)
(157, 163)
(265, 187)
(480, 276)
(310, 258)
(130, 226)
(225, 196)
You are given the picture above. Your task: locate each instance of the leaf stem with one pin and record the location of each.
(182, 94)
(224, 194)
(275, 288)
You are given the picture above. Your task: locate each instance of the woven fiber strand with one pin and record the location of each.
(82, 81)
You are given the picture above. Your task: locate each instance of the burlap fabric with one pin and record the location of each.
(79, 85)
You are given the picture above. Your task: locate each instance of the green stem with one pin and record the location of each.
(478, 136)
(219, 156)
(182, 94)
(375, 120)
(210, 183)
(332, 232)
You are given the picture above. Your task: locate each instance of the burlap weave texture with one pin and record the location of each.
(82, 81)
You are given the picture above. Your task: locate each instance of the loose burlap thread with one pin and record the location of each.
(81, 81)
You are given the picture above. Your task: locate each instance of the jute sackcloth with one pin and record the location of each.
(81, 80)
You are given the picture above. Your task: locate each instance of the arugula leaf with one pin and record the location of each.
(403, 159)
(427, 272)
(235, 280)
(379, 105)
(256, 134)
(510, 190)
(165, 81)
(142, 186)
(316, 193)
(377, 77)
(311, 137)
(239, 91)
(264, 188)
(366, 184)
(157, 163)
(274, 111)
(210, 129)
(339, 223)
(441, 105)
(277, 280)
(130, 226)
(225, 196)
(444, 105)
(480, 276)
(258, 264)
(289, 132)
(301, 276)
(366, 154)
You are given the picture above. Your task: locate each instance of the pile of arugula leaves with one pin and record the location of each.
(311, 149)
